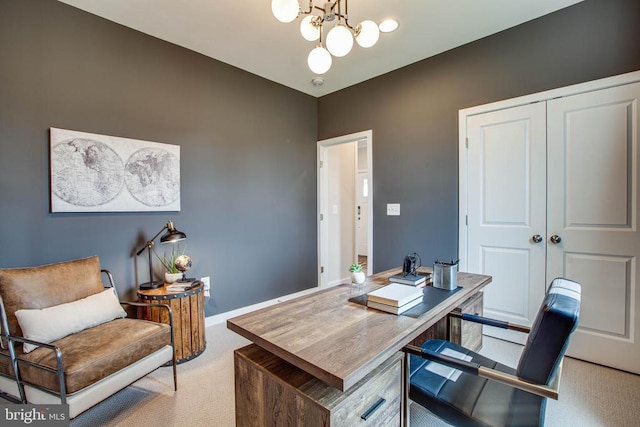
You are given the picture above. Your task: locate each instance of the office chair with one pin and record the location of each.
(482, 392)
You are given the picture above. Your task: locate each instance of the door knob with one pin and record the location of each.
(536, 238)
(555, 239)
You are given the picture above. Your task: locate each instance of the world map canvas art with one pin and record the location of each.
(99, 173)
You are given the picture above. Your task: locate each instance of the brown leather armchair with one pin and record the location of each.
(100, 351)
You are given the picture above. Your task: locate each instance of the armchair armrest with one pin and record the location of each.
(148, 304)
(544, 390)
(490, 322)
(173, 342)
(160, 306)
(109, 276)
(59, 365)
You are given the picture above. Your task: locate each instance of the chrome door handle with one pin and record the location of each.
(536, 238)
(555, 239)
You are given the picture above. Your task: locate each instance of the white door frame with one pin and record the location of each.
(322, 196)
(514, 102)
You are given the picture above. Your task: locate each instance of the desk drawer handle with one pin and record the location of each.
(373, 409)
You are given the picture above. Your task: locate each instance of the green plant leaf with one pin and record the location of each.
(355, 268)
(169, 261)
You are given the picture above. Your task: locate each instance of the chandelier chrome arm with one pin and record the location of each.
(329, 14)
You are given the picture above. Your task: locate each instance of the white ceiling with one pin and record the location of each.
(246, 35)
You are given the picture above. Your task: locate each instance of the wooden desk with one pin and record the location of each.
(337, 341)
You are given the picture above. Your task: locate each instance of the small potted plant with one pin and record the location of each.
(357, 275)
(172, 273)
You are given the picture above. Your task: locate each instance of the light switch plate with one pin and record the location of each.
(393, 209)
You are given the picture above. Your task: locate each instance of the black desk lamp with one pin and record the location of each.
(172, 235)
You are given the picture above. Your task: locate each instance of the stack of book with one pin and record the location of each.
(394, 298)
(420, 279)
(182, 286)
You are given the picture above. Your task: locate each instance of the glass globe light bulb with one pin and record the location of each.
(309, 31)
(339, 41)
(369, 34)
(285, 10)
(319, 60)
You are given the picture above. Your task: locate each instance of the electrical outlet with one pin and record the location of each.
(393, 209)
(207, 283)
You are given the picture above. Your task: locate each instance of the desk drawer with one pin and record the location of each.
(376, 402)
(272, 392)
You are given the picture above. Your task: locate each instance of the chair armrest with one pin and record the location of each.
(109, 276)
(59, 364)
(163, 307)
(544, 390)
(490, 322)
(147, 304)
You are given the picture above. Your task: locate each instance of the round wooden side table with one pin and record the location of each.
(188, 317)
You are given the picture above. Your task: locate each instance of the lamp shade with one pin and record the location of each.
(309, 31)
(172, 235)
(319, 60)
(369, 34)
(285, 10)
(339, 41)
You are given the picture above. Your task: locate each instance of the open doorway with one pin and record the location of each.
(362, 206)
(345, 206)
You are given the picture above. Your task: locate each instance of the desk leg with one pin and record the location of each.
(405, 391)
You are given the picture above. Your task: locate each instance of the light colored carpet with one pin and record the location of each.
(205, 394)
(590, 395)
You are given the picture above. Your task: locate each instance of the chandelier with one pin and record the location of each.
(339, 39)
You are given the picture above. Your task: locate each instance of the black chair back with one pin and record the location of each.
(549, 337)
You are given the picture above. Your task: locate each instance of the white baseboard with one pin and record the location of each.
(223, 317)
(339, 281)
(505, 334)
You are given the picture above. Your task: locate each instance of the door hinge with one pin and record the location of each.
(321, 217)
(321, 164)
(466, 143)
(321, 270)
(466, 220)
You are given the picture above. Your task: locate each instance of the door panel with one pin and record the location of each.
(597, 147)
(509, 266)
(506, 207)
(593, 207)
(604, 309)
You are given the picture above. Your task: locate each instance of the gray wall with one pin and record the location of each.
(247, 153)
(414, 112)
(248, 145)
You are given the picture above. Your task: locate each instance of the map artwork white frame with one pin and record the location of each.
(99, 173)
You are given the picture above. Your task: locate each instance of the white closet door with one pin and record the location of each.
(593, 196)
(506, 208)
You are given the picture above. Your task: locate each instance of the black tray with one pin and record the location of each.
(431, 298)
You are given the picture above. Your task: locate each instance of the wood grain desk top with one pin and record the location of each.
(337, 341)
